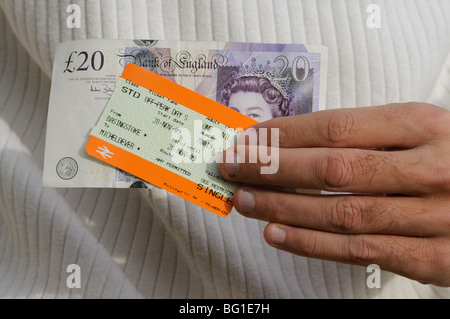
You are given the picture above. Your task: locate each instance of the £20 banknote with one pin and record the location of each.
(85, 73)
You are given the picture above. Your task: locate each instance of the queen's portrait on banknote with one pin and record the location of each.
(256, 95)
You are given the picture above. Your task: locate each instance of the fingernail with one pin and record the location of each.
(277, 235)
(231, 162)
(246, 202)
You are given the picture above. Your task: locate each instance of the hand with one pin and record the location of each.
(393, 160)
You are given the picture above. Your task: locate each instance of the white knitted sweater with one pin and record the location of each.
(151, 244)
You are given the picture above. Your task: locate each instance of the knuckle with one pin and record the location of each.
(346, 214)
(340, 126)
(360, 249)
(338, 171)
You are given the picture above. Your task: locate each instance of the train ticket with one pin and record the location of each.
(169, 136)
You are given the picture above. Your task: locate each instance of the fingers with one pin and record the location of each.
(412, 257)
(346, 214)
(342, 170)
(342, 151)
(337, 151)
(388, 126)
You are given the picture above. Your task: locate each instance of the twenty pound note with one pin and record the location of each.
(284, 80)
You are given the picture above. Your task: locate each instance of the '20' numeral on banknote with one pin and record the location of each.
(97, 61)
(300, 68)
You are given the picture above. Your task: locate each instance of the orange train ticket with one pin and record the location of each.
(169, 136)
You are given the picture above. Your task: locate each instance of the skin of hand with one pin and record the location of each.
(390, 166)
